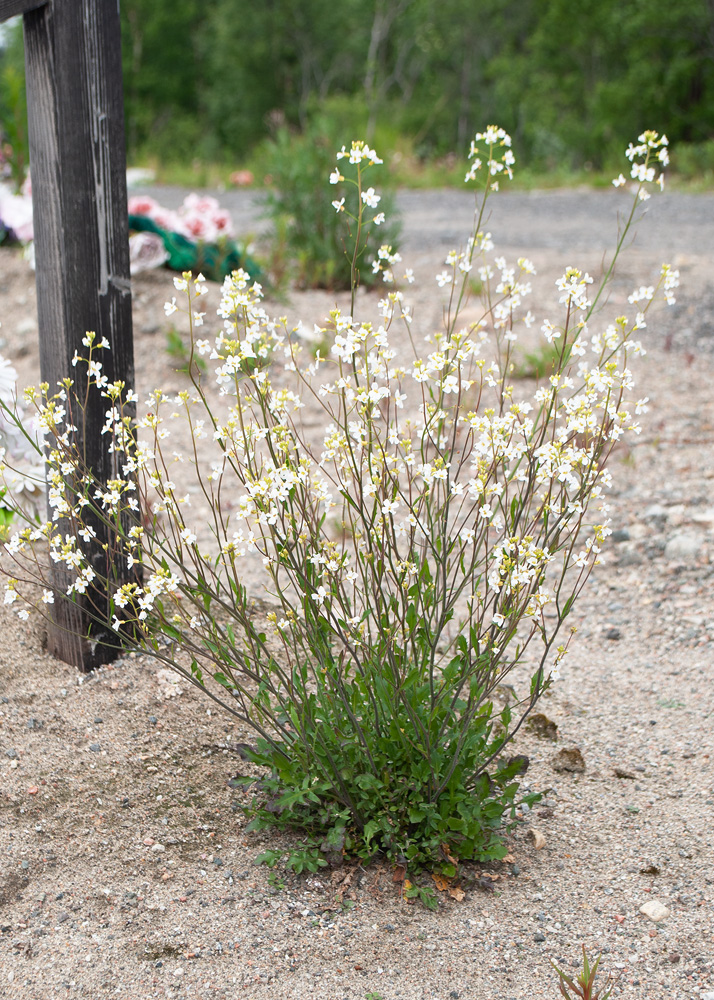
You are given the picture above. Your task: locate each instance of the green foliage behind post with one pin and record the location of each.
(13, 106)
(212, 81)
(162, 76)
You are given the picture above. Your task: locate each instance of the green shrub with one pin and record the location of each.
(317, 240)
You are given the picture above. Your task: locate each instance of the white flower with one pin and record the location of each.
(339, 206)
(371, 198)
(320, 596)
(619, 181)
(336, 177)
(444, 278)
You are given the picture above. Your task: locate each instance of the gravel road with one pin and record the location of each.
(567, 221)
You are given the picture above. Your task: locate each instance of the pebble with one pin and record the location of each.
(539, 937)
(95, 747)
(569, 759)
(34, 723)
(707, 996)
(654, 910)
(684, 547)
(12, 754)
(537, 838)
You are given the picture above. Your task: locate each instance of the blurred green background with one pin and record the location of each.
(209, 85)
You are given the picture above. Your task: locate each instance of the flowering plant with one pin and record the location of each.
(323, 240)
(424, 547)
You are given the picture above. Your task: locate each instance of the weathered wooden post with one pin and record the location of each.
(76, 134)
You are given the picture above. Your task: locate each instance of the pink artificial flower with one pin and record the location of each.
(201, 204)
(142, 204)
(16, 213)
(146, 251)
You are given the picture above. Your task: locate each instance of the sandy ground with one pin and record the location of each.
(125, 869)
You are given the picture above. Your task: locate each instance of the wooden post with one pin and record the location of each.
(76, 136)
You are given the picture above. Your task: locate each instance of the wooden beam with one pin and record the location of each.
(11, 8)
(76, 133)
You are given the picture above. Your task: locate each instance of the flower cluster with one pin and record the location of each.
(648, 156)
(200, 217)
(493, 139)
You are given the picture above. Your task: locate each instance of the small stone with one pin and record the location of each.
(34, 723)
(32, 790)
(684, 547)
(24, 865)
(12, 754)
(148, 841)
(153, 720)
(539, 937)
(620, 535)
(654, 910)
(569, 759)
(620, 772)
(654, 512)
(707, 996)
(674, 958)
(98, 721)
(95, 747)
(537, 838)
(614, 634)
(542, 726)
(515, 870)
(158, 848)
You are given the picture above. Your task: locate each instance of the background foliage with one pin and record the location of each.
(214, 80)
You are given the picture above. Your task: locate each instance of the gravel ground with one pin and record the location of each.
(125, 869)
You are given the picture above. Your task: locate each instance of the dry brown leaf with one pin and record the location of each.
(442, 883)
(456, 893)
(448, 855)
(508, 860)
(400, 873)
(407, 884)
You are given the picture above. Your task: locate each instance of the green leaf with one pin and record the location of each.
(269, 858)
